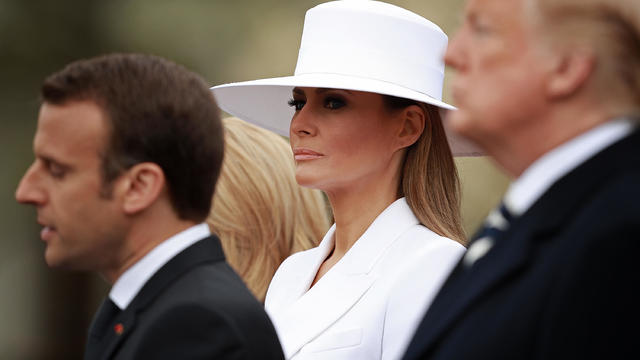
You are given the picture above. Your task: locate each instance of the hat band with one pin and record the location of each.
(427, 80)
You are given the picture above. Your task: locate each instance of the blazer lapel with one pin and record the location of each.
(513, 249)
(319, 308)
(122, 327)
(299, 282)
(107, 327)
(203, 251)
(465, 286)
(307, 314)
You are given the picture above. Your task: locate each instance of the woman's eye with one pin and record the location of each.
(296, 104)
(333, 103)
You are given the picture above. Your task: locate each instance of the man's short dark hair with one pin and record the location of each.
(157, 112)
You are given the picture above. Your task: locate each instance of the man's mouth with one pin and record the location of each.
(47, 233)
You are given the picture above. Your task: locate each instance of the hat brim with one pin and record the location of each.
(264, 102)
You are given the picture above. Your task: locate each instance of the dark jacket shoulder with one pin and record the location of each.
(197, 307)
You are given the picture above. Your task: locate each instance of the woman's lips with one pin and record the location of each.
(300, 154)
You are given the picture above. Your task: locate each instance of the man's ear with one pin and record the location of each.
(571, 71)
(141, 187)
(413, 120)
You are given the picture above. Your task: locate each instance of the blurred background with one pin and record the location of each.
(44, 313)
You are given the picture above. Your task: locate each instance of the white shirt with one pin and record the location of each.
(129, 284)
(552, 166)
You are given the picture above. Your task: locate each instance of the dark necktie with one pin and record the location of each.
(103, 319)
(495, 225)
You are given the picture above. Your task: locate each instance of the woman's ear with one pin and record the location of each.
(141, 186)
(412, 119)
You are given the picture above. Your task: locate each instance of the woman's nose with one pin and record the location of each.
(302, 123)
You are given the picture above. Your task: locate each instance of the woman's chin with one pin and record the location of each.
(308, 180)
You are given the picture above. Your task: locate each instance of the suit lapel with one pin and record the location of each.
(319, 308)
(300, 282)
(513, 249)
(204, 251)
(122, 327)
(308, 312)
(465, 286)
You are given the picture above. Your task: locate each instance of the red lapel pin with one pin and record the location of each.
(118, 328)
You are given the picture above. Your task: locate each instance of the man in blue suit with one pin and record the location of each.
(127, 153)
(551, 90)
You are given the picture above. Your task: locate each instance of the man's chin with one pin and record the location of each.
(55, 260)
(52, 261)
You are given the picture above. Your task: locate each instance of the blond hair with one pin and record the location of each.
(609, 28)
(259, 211)
(430, 180)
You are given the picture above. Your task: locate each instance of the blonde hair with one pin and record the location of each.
(259, 211)
(610, 28)
(430, 180)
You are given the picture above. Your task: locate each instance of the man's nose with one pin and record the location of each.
(454, 56)
(29, 190)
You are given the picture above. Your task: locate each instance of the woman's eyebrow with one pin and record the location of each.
(323, 90)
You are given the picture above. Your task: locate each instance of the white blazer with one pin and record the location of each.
(367, 305)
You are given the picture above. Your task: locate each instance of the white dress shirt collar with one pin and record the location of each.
(129, 284)
(549, 168)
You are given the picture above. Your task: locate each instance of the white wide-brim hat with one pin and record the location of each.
(360, 45)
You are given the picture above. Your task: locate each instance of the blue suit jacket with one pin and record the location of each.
(561, 283)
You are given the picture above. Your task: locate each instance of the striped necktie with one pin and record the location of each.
(495, 225)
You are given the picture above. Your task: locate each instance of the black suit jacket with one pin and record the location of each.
(561, 283)
(194, 307)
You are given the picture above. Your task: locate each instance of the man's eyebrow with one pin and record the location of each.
(51, 160)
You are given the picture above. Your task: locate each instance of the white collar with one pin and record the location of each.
(394, 220)
(129, 284)
(549, 168)
(362, 256)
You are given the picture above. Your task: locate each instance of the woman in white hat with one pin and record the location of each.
(364, 125)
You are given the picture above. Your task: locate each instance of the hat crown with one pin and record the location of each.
(360, 45)
(373, 40)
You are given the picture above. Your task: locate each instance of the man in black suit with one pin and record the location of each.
(551, 90)
(128, 150)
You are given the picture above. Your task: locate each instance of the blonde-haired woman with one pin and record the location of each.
(260, 213)
(365, 128)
